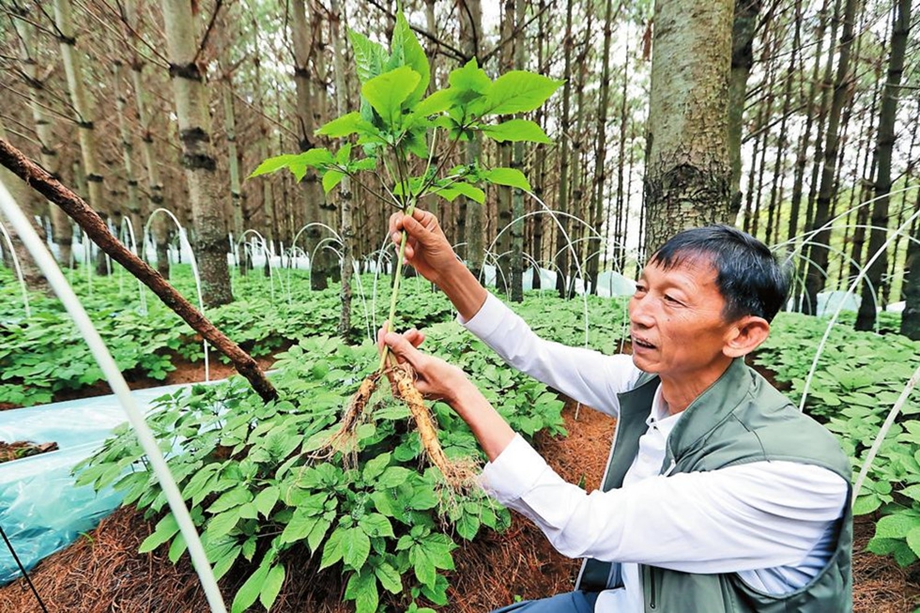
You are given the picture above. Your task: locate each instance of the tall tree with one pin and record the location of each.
(61, 226)
(471, 35)
(82, 103)
(562, 197)
(744, 26)
(865, 319)
(819, 252)
(198, 160)
(688, 173)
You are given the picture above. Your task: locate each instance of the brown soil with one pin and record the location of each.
(103, 572)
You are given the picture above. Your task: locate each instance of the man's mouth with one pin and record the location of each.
(641, 342)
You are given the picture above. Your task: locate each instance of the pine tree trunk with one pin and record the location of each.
(127, 153)
(346, 226)
(600, 156)
(910, 318)
(562, 224)
(83, 107)
(471, 35)
(688, 176)
(818, 254)
(305, 126)
(198, 160)
(62, 229)
(865, 319)
(744, 26)
(517, 207)
(503, 244)
(233, 162)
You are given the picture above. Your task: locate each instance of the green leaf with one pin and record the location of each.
(165, 529)
(387, 92)
(470, 191)
(357, 546)
(511, 177)
(177, 548)
(394, 476)
(515, 130)
(273, 164)
(375, 467)
(470, 78)
(272, 586)
(438, 102)
(313, 158)
(299, 527)
(346, 125)
(334, 548)
(406, 51)
(266, 500)
(331, 179)
(223, 523)
(362, 588)
(389, 578)
(896, 526)
(518, 91)
(250, 590)
(369, 56)
(375, 524)
(238, 496)
(866, 504)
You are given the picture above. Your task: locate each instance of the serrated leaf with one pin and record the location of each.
(272, 586)
(389, 578)
(331, 179)
(866, 504)
(406, 51)
(512, 177)
(250, 590)
(516, 130)
(362, 588)
(356, 547)
(273, 164)
(375, 467)
(165, 529)
(387, 92)
(438, 102)
(470, 191)
(223, 523)
(299, 527)
(470, 78)
(346, 125)
(375, 524)
(369, 56)
(238, 496)
(518, 91)
(896, 526)
(334, 548)
(266, 500)
(177, 548)
(394, 476)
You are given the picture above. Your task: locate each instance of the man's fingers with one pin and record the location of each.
(400, 346)
(415, 337)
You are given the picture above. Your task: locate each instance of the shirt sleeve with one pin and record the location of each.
(589, 377)
(746, 517)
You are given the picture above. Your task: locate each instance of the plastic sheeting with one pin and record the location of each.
(41, 509)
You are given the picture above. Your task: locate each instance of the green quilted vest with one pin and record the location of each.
(740, 418)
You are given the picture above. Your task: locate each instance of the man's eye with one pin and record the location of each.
(671, 299)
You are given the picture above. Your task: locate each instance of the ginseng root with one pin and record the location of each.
(343, 438)
(459, 476)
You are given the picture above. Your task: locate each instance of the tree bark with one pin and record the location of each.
(744, 27)
(197, 151)
(470, 34)
(688, 176)
(96, 229)
(562, 194)
(82, 104)
(818, 254)
(865, 318)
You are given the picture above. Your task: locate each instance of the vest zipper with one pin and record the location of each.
(651, 583)
(670, 469)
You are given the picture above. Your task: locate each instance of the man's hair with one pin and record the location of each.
(747, 275)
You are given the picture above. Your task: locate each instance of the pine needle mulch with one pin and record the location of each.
(103, 573)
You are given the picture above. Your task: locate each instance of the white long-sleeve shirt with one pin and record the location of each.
(771, 522)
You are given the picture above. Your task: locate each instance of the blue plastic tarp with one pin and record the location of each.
(41, 509)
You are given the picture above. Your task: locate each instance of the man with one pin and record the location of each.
(719, 494)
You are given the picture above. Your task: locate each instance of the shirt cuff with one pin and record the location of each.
(514, 472)
(487, 319)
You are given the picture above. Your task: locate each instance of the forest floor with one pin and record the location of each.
(102, 571)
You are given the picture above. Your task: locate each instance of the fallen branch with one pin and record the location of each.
(96, 229)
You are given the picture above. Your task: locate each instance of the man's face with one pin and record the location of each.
(676, 322)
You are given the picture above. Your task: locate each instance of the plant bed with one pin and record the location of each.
(23, 449)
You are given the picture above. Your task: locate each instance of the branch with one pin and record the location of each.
(96, 229)
(517, 29)
(456, 53)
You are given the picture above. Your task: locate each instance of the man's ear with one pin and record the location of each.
(746, 335)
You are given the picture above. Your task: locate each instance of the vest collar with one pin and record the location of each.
(710, 408)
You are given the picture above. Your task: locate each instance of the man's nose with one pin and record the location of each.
(640, 312)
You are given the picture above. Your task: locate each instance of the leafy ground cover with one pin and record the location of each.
(286, 511)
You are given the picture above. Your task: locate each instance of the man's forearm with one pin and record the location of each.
(463, 290)
(490, 429)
